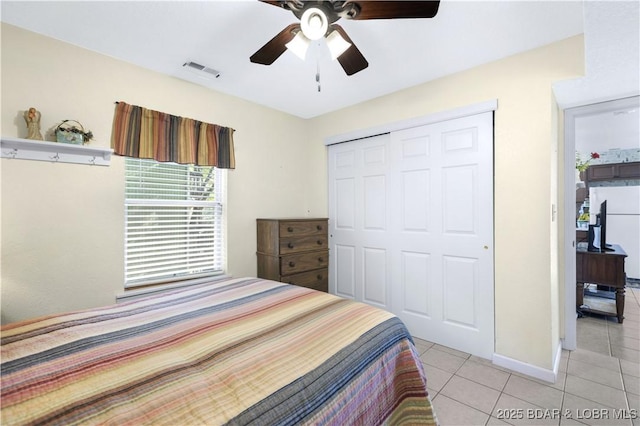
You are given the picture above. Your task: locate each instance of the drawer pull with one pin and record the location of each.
(321, 259)
(290, 229)
(319, 242)
(319, 227)
(319, 277)
(292, 264)
(290, 245)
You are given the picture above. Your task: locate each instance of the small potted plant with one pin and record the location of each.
(583, 165)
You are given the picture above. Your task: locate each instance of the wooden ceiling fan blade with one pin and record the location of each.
(352, 60)
(396, 9)
(275, 47)
(273, 2)
(285, 4)
(277, 3)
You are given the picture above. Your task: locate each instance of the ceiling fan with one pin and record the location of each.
(317, 21)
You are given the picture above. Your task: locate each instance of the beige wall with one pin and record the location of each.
(63, 249)
(62, 239)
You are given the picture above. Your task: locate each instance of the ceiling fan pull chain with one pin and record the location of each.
(318, 73)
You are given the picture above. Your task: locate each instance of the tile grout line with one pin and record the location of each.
(455, 373)
(609, 342)
(500, 396)
(592, 357)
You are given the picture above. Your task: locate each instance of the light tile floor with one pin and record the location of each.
(597, 382)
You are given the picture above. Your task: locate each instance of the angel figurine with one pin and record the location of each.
(32, 117)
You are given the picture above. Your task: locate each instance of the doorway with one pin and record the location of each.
(573, 117)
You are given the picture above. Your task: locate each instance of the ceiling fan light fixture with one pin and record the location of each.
(337, 44)
(299, 45)
(314, 23)
(316, 16)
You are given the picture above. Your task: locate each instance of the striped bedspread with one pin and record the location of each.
(239, 351)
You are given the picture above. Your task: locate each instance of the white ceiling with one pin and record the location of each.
(612, 55)
(618, 129)
(162, 35)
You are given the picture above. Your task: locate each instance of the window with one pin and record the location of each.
(173, 222)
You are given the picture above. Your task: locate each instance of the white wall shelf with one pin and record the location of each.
(54, 152)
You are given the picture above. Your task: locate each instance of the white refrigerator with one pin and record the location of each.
(623, 220)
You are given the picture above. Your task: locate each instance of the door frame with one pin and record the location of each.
(436, 117)
(570, 115)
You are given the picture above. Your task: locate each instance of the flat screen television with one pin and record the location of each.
(603, 228)
(601, 225)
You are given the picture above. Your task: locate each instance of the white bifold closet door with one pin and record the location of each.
(411, 228)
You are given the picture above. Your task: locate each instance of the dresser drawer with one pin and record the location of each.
(302, 228)
(317, 280)
(294, 263)
(298, 244)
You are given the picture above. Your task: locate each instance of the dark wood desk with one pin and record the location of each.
(602, 268)
(582, 236)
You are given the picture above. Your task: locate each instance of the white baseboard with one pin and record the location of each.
(531, 370)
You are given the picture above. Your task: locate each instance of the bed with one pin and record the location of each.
(241, 351)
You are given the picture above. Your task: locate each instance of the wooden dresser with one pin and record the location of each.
(294, 251)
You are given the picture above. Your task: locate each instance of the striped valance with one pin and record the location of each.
(143, 133)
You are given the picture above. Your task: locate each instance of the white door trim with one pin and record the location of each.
(570, 316)
(570, 340)
(465, 111)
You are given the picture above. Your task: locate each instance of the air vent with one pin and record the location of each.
(202, 69)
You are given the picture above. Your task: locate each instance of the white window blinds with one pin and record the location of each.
(173, 221)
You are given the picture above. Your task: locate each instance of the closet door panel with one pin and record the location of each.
(412, 231)
(414, 275)
(460, 291)
(344, 261)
